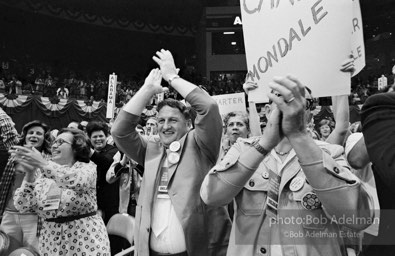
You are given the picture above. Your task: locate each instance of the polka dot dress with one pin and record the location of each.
(85, 236)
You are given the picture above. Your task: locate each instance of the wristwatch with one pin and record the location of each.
(259, 148)
(172, 78)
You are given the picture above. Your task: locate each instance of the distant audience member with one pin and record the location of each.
(102, 155)
(62, 92)
(151, 126)
(73, 124)
(22, 226)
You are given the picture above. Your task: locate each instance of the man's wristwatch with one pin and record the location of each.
(259, 148)
(172, 78)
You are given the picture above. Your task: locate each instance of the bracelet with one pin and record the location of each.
(172, 78)
(259, 148)
(311, 164)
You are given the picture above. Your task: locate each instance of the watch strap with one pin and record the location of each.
(259, 148)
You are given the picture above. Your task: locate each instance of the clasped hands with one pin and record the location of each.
(287, 112)
(166, 70)
(30, 158)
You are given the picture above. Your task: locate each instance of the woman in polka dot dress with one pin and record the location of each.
(65, 197)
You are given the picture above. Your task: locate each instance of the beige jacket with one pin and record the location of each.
(296, 231)
(206, 228)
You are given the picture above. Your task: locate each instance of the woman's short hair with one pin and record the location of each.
(81, 144)
(46, 147)
(325, 122)
(96, 126)
(242, 115)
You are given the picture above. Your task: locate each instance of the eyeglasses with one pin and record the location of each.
(60, 142)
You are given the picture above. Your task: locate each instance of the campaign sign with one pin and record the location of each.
(230, 102)
(112, 91)
(357, 43)
(309, 39)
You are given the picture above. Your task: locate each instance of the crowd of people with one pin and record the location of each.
(200, 185)
(17, 77)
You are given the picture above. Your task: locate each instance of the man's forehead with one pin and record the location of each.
(169, 111)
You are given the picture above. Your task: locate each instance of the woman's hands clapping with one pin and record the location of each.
(30, 158)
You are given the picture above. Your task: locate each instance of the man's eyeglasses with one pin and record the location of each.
(60, 142)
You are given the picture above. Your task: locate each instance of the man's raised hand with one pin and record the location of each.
(153, 81)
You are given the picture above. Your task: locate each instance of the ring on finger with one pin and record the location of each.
(290, 100)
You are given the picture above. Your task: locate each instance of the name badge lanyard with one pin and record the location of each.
(164, 179)
(171, 157)
(273, 194)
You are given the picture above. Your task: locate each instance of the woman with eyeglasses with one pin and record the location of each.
(65, 196)
(23, 228)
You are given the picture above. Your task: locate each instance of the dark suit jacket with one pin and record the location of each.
(107, 194)
(378, 127)
(206, 228)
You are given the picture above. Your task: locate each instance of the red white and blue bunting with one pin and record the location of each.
(48, 9)
(55, 112)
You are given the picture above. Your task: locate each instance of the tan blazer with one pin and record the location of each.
(299, 231)
(206, 228)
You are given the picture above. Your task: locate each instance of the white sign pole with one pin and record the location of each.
(112, 91)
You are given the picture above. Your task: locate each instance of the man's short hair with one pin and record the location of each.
(175, 104)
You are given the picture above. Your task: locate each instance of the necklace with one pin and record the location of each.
(281, 153)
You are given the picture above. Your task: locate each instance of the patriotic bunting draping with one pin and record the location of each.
(49, 9)
(57, 113)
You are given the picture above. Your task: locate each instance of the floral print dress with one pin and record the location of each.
(77, 186)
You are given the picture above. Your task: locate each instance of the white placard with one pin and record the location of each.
(308, 39)
(161, 96)
(357, 43)
(230, 102)
(382, 82)
(112, 91)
